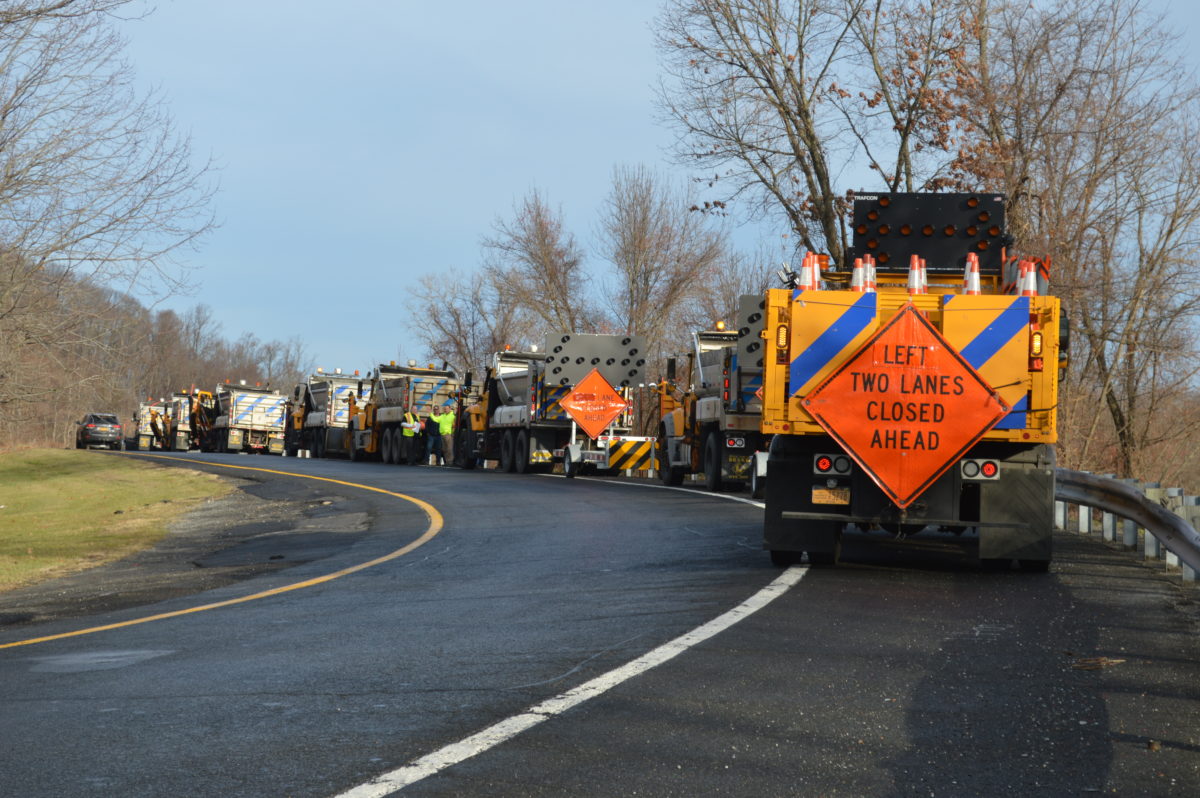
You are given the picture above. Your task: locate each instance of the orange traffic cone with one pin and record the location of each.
(971, 285)
(1028, 280)
(858, 277)
(869, 268)
(809, 276)
(916, 277)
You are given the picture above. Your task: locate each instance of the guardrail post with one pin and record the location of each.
(1153, 547)
(1108, 527)
(1189, 510)
(1174, 503)
(1085, 520)
(1129, 535)
(1060, 516)
(1129, 529)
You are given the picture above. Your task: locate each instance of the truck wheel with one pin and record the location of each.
(355, 456)
(827, 559)
(670, 475)
(521, 453)
(758, 485)
(712, 462)
(571, 469)
(385, 447)
(1034, 566)
(507, 444)
(464, 458)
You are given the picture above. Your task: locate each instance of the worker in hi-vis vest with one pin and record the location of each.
(410, 430)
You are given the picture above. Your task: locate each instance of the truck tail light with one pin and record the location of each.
(1036, 347)
(831, 464)
(979, 469)
(781, 336)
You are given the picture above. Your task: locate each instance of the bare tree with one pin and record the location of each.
(1082, 112)
(462, 320)
(660, 253)
(537, 265)
(96, 189)
(777, 101)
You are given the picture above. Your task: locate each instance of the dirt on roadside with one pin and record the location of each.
(256, 529)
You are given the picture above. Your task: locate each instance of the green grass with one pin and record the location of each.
(67, 510)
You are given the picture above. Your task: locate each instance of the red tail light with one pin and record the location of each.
(91, 426)
(824, 464)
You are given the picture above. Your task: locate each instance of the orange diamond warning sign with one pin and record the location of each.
(906, 406)
(593, 404)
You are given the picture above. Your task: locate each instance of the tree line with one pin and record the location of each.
(1082, 112)
(100, 199)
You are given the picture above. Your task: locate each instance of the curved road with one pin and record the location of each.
(897, 674)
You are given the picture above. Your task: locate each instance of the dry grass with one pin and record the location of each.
(63, 511)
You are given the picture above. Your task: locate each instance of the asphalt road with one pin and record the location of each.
(903, 672)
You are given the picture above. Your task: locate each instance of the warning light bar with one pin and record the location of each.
(831, 464)
(980, 469)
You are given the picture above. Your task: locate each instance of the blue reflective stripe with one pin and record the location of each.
(750, 387)
(249, 409)
(430, 393)
(1016, 418)
(833, 340)
(993, 337)
(341, 409)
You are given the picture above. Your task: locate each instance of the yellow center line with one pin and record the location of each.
(435, 526)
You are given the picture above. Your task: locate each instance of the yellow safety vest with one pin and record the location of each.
(409, 418)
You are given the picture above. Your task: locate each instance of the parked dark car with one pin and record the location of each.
(98, 429)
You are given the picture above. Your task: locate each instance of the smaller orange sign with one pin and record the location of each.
(593, 404)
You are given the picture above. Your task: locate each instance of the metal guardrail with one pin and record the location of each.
(1140, 507)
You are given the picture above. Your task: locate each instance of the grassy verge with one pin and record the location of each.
(66, 510)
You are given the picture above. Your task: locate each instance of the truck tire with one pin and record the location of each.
(507, 444)
(712, 462)
(670, 475)
(353, 452)
(758, 485)
(521, 453)
(571, 469)
(386, 444)
(462, 457)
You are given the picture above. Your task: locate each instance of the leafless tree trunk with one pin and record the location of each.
(462, 320)
(538, 266)
(660, 252)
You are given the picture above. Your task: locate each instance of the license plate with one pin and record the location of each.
(830, 495)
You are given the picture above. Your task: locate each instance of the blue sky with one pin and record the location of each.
(360, 150)
(363, 145)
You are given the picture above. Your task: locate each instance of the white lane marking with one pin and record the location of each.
(492, 736)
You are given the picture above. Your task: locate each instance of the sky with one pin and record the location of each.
(362, 145)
